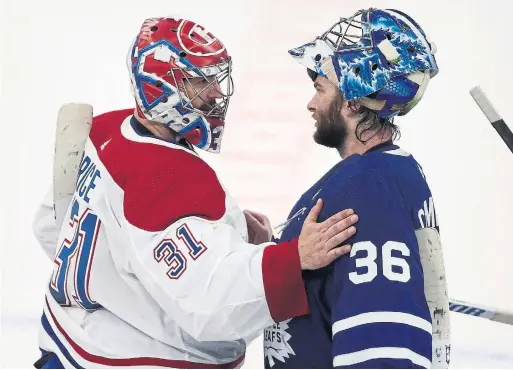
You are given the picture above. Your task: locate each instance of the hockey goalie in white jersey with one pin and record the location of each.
(152, 264)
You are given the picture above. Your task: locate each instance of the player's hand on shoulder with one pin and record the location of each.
(319, 243)
(259, 227)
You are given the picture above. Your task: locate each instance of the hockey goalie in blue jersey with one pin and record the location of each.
(374, 308)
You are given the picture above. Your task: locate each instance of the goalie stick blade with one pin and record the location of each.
(492, 314)
(73, 126)
(493, 116)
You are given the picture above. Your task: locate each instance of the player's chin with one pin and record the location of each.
(318, 137)
(327, 139)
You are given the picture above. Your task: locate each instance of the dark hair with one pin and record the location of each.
(368, 120)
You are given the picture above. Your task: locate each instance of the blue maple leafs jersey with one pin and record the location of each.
(367, 309)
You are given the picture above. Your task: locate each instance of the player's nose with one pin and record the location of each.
(311, 106)
(214, 92)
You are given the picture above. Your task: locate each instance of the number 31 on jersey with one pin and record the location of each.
(72, 264)
(169, 252)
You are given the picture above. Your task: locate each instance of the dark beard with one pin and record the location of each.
(331, 127)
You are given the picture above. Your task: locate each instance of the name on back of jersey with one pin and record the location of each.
(427, 214)
(88, 175)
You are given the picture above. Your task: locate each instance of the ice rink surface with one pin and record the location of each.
(60, 51)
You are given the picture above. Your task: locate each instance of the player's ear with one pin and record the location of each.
(351, 108)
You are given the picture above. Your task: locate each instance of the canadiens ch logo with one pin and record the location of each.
(276, 343)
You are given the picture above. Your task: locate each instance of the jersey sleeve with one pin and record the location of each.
(380, 317)
(197, 266)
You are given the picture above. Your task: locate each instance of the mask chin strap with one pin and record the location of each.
(421, 78)
(372, 104)
(329, 70)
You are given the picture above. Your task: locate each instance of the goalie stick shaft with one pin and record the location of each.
(492, 314)
(507, 136)
(73, 126)
(493, 116)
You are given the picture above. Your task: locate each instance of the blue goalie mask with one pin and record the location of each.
(381, 57)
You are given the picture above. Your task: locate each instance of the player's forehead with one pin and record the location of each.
(324, 85)
(323, 82)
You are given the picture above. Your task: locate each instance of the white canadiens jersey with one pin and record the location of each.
(152, 265)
